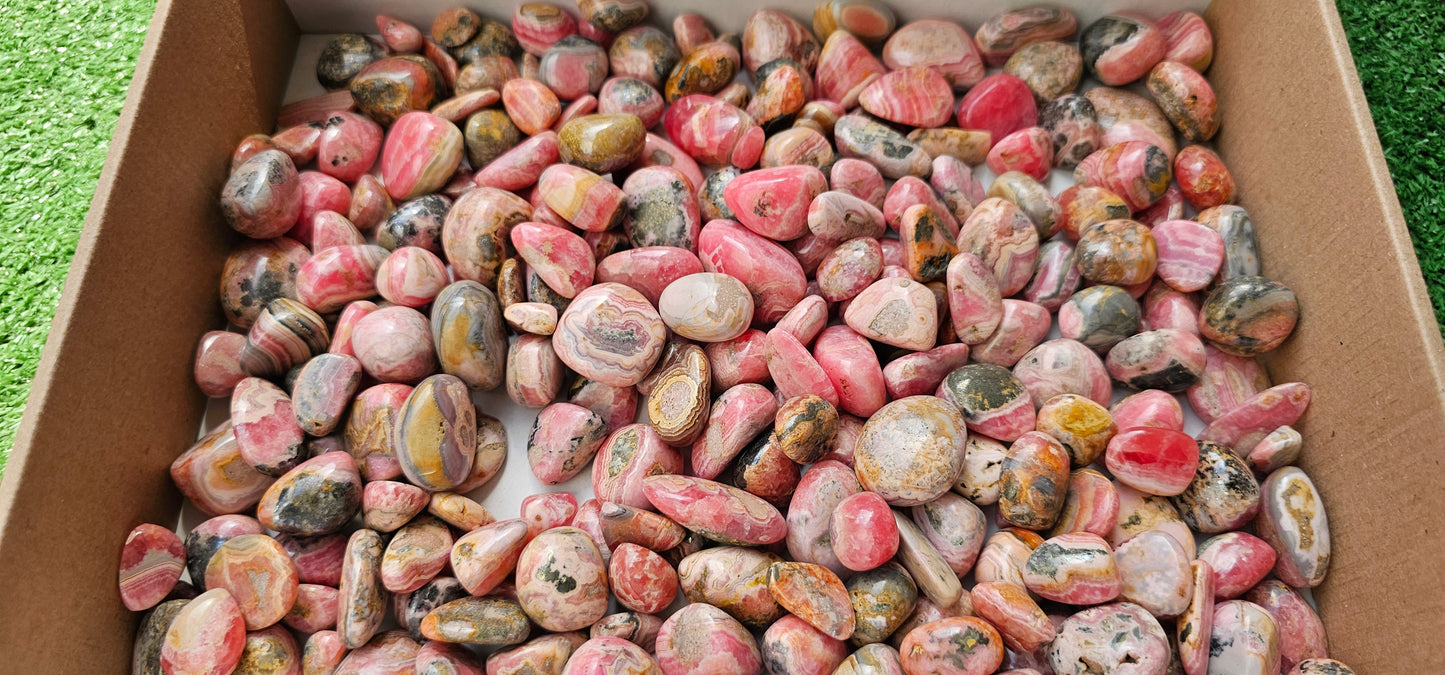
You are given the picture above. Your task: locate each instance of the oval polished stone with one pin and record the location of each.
(1121, 48)
(1134, 170)
(1186, 99)
(258, 574)
(937, 44)
(1077, 568)
(610, 655)
(362, 602)
(256, 273)
(387, 505)
(561, 580)
(1189, 254)
(627, 456)
(1099, 316)
(1301, 633)
(1004, 33)
(955, 527)
(323, 392)
(487, 556)
(662, 210)
(467, 331)
(343, 57)
(717, 511)
(914, 96)
(763, 470)
(1118, 252)
(993, 402)
(705, 70)
(852, 367)
(911, 450)
(733, 579)
(955, 646)
(1243, 639)
(1119, 638)
(314, 610)
(262, 197)
(611, 334)
(1005, 240)
(1223, 495)
(1081, 425)
(1156, 575)
(150, 564)
(200, 544)
(641, 580)
(810, 513)
(546, 654)
(564, 439)
(925, 564)
(895, 156)
(679, 397)
(897, 312)
(1238, 561)
(416, 554)
(388, 652)
(1293, 521)
(214, 476)
(1228, 381)
(601, 143)
(1023, 626)
(286, 333)
(1091, 505)
(206, 636)
(393, 345)
(420, 154)
(646, 54)
(1032, 481)
(1023, 326)
(479, 621)
(974, 298)
(790, 645)
(814, 594)
(1156, 461)
(562, 259)
(436, 433)
(862, 533)
(1203, 177)
(319, 496)
(701, 638)
(391, 87)
(707, 306)
(883, 599)
(1248, 315)
(475, 232)
(1169, 360)
(999, 104)
(1004, 556)
(775, 202)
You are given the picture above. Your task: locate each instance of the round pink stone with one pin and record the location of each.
(863, 531)
(348, 145)
(218, 363)
(150, 564)
(641, 579)
(421, 152)
(546, 511)
(394, 344)
(915, 96)
(1189, 254)
(1152, 460)
(206, 637)
(1238, 561)
(562, 259)
(1029, 150)
(852, 367)
(411, 276)
(610, 333)
(774, 202)
(1000, 104)
(701, 639)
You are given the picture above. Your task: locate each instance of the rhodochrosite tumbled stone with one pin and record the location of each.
(863, 532)
(213, 475)
(964, 645)
(898, 312)
(602, 143)
(317, 497)
(916, 97)
(466, 326)
(564, 439)
(895, 156)
(1077, 568)
(1156, 461)
(421, 152)
(262, 197)
(814, 594)
(206, 636)
(1293, 520)
(1030, 477)
(701, 638)
(1120, 637)
(561, 580)
(1243, 639)
(1186, 99)
(611, 334)
(150, 564)
(774, 202)
(911, 450)
(1004, 33)
(994, 402)
(258, 574)
(436, 433)
(939, 45)
(1000, 104)
(717, 511)
(1121, 48)
(707, 307)
(1248, 315)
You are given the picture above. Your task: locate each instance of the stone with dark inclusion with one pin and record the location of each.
(343, 57)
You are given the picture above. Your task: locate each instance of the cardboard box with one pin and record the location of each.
(113, 403)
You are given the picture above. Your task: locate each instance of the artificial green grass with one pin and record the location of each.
(64, 68)
(1399, 49)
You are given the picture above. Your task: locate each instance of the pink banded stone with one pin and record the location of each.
(859, 179)
(791, 645)
(1165, 307)
(974, 299)
(346, 325)
(994, 402)
(806, 319)
(898, 312)
(701, 639)
(562, 259)
(611, 334)
(411, 276)
(1156, 574)
(1153, 460)
(538, 318)
(1149, 408)
(712, 131)
(267, 433)
(1243, 639)
(213, 475)
(772, 275)
(1248, 423)
(810, 513)
(641, 579)
(329, 229)
(387, 505)
(914, 96)
(583, 198)
(564, 439)
(1135, 170)
(1227, 382)
(839, 216)
(717, 511)
(706, 306)
(630, 454)
(1302, 634)
(1187, 40)
(150, 564)
(532, 106)
(416, 554)
(648, 270)
(774, 202)
(255, 204)
(207, 636)
(1022, 624)
(338, 275)
(846, 68)
(1063, 366)
(1056, 278)
(1121, 48)
(795, 371)
(421, 152)
(1005, 32)
(814, 594)
(1076, 569)
(521, 166)
(1091, 504)
(740, 360)
(921, 372)
(1029, 150)
(737, 417)
(657, 151)
(939, 45)
(955, 527)
(1189, 254)
(543, 512)
(1238, 561)
(999, 104)
(1118, 638)
(348, 145)
(323, 391)
(852, 367)
(1005, 240)
(258, 574)
(863, 532)
(622, 94)
(394, 344)
(1023, 325)
(485, 557)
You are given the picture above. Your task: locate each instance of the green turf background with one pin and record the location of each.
(65, 66)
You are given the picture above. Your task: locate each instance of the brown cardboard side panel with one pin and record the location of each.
(1298, 136)
(112, 403)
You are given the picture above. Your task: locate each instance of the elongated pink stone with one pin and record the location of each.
(563, 260)
(532, 106)
(583, 198)
(916, 96)
(206, 637)
(150, 564)
(741, 360)
(975, 303)
(771, 273)
(806, 319)
(852, 367)
(716, 511)
(845, 69)
(521, 166)
(1189, 254)
(774, 202)
(921, 372)
(648, 270)
(421, 152)
(795, 371)
(1238, 561)
(338, 275)
(1248, 424)
(712, 131)
(737, 417)
(267, 433)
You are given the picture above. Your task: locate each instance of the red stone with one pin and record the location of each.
(421, 152)
(1000, 104)
(846, 68)
(863, 532)
(521, 166)
(1156, 461)
(348, 145)
(772, 275)
(916, 96)
(711, 131)
(1029, 150)
(795, 371)
(206, 637)
(775, 202)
